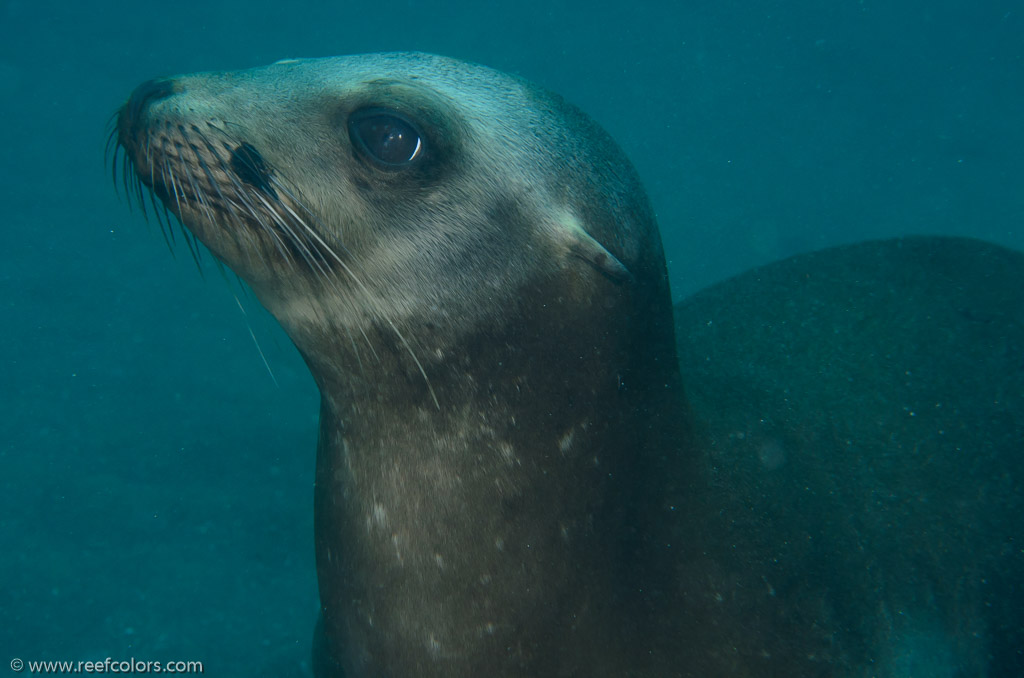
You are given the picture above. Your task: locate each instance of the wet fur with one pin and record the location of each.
(491, 333)
(507, 480)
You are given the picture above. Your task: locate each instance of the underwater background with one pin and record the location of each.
(155, 475)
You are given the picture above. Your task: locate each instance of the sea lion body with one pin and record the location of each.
(862, 455)
(509, 481)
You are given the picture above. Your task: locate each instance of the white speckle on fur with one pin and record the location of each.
(433, 646)
(378, 518)
(508, 455)
(396, 542)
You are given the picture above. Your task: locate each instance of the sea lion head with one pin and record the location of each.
(392, 192)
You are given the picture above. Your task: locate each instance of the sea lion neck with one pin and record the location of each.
(444, 509)
(440, 357)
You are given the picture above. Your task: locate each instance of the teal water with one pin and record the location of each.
(761, 129)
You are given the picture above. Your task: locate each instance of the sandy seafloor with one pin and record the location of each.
(156, 483)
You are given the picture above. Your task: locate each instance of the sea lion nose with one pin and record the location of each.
(134, 112)
(147, 93)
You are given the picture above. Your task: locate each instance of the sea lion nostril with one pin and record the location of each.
(250, 167)
(147, 93)
(132, 117)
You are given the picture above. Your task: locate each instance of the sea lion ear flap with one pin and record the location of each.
(583, 245)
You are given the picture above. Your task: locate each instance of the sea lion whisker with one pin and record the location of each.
(230, 139)
(321, 245)
(140, 187)
(212, 125)
(355, 350)
(131, 182)
(300, 231)
(123, 170)
(267, 227)
(200, 197)
(148, 150)
(113, 168)
(165, 228)
(225, 170)
(127, 171)
(112, 138)
(140, 191)
(315, 240)
(252, 334)
(236, 211)
(209, 146)
(326, 278)
(164, 170)
(212, 179)
(369, 345)
(169, 173)
(110, 156)
(316, 243)
(243, 197)
(143, 191)
(180, 194)
(190, 240)
(308, 253)
(363, 288)
(168, 239)
(231, 206)
(193, 248)
(152, 185)
(224, 270)
(214, 183)
(167, 215)
(301, 205)
(138, 198)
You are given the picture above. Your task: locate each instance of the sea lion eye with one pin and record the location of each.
(389, 140)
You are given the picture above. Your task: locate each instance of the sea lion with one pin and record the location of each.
(509, 481)
(473, 274)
